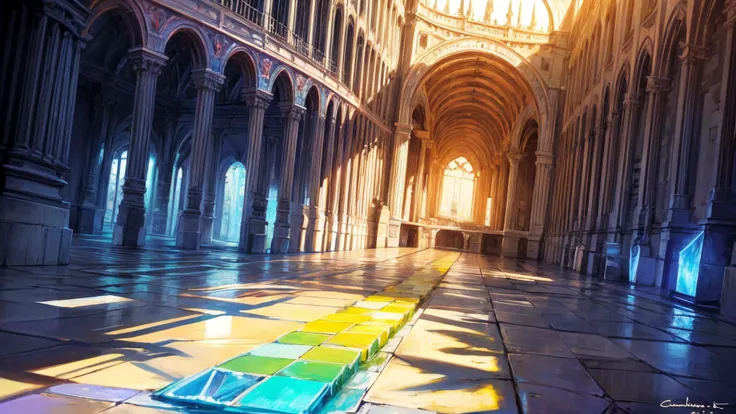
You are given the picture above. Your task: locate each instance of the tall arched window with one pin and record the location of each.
(232, 204)
(115, 187)
(458, 187)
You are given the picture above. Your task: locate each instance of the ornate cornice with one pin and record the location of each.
(147, 60)
(207, 79)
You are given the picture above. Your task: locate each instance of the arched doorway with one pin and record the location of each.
(115, 188)
(232, 204)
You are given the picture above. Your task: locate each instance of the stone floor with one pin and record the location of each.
(494, 336)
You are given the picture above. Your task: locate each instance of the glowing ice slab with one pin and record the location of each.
(284, 395)
(89, 301)
(689, 266)
(211, 387)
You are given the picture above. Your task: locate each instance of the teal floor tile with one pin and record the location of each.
(284, 395)
(346, 401)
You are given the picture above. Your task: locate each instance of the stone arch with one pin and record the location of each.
(527, 114)
(424, 63)
(702, 14)
(669, 42)
(195, 38)
(130, 12)
(646, 51)
(304, 86)
(282, 78)
(622, 82)
(245, 58)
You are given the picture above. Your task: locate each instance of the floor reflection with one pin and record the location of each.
(494, 335)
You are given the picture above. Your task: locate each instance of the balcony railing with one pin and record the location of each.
(281, 31)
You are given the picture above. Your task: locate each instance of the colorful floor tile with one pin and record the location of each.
(284, 395)
(253, 364)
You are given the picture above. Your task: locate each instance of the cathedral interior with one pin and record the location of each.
(367, 206)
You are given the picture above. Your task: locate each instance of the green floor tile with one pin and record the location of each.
(346, 400)
(314, 371)
(252, 364)
(303, 338)
(333, 355)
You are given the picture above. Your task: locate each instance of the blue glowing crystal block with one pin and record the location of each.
(689, 266)
(635, 252)
(211, 387)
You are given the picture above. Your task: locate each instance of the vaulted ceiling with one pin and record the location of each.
(474, 100)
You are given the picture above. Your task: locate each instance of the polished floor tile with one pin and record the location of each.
(491, 335)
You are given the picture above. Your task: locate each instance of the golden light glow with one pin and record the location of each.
(524, 14)
(458, 186)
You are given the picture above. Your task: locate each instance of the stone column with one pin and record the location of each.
(494, 195)
(419, 182)
(315, 225)
(631, 106)
(210, 195)
(161, 209)
(253, 223)
(692, 57)
(37, 98)
(540, 202)
(514, 159)
(90, 216)
(334, 188)
(292, 114)
(345, 190)
(189, 234)
(325, 187)
(398, 181)
(130, 229)
(646, 272)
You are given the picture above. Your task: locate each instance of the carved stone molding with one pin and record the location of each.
(146, 60)
(207, 79)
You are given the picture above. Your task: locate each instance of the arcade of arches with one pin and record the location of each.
(197, 170)
(594, 135)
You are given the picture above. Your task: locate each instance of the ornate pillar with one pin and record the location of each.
(326, 179)
(631, 106)
(510, 244)
(210, 195)
(315, 226)
(494, 195)
(41, 51)
(161, 209)
(514, 159)
(540, 202)
(345, 189)
(292, 114)
(90, 216)
(253, 223)
(692, 57)
(130, 229)
(189, 234)
(398, 180)
(334, 186)
(419, 182)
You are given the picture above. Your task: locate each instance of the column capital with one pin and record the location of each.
(514, 157)
(292, 111)
(207, 79)
(544, 158)
(256, 98)
(421, 134)
(631, 102)
(694, 54)
(402, 129)
(657, 85)
(147, 60)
